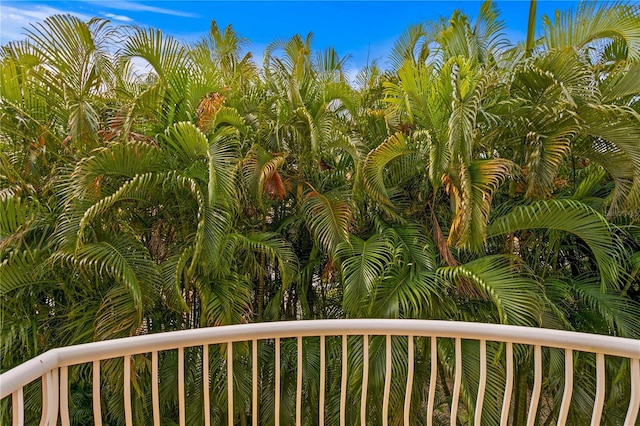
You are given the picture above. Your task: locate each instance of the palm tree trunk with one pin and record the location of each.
(520, 397)
(441, 241)
(260, 296)
(442, 375)
(531, 29)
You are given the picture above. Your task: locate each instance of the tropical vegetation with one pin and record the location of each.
(468, 178)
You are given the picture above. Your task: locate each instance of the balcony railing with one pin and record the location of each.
(420, 343)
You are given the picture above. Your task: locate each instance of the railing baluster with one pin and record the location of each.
(343, 382)
(407, 395)
(254, 383)
(322, 380)
(182, 417)
(598, 404)
(17, 407)
(456, 382)
(230, 416)
(387, 382)
(49, 398)
(634, 400)
(482, 383)
(299, 385)
(508, 387)
(568, 387)
(53, 397)
(128, 413)
(45, 383)
(64, 396)
(155, 396)
(432, 380)
(365, 379)
(205, 385)
(95, 390)
(277, 374)
(537, 385)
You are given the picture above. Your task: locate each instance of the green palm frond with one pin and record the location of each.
(615, 166)
(407, 293)
(15, 213)
(167, 56)
(218, 56)
(337, 97)
(516, 297)
(413, 245)
(187, 142)
(328, 60)
(414, 98)
(171, 273)
(478, 183)
(118, 315)
(454, 39)
(23, 269)
(488, 31)
(230, 117)
(590, 183)
(223, 161)
(25, 106)
(543, 86)
(492, 403)
(615, 130)
(216, 227)
(622, 83)
(137, 201)
(225, 300)
(315, 128)
(141, 188)
(569, 216)
(470, 88)
(172, 98)
(274, 247)
(122, 258)
(411, 46)
(97, 175)
(547, 153)
(363, 263)
(592, 22)
(353, 147)
(587, 191)
(76, 63)
(259, 168)
(377, 161)
(617, 311)
(328, 217)
(292, 66)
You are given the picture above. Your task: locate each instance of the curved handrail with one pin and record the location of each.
(25, 373)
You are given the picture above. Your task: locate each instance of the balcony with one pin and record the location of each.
(361, 371)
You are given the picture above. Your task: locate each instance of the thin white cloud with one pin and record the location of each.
(139, 7)
(13, 20)
(120, 18)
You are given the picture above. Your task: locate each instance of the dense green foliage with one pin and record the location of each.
(471, 181)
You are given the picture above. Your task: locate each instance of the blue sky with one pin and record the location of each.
(364, 29)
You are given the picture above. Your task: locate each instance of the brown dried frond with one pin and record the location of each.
(208, 108)
(276, 187)
(329, 271)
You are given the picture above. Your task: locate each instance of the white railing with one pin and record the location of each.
(52, 367)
